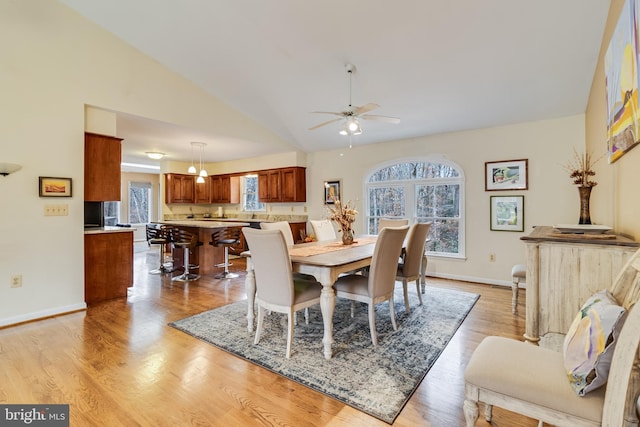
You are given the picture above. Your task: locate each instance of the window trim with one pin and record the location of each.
(410, 191)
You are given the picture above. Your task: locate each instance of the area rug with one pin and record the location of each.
(376, 380)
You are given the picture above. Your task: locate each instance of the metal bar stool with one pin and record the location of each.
(156, 236)
(225, 237)
(187, 241)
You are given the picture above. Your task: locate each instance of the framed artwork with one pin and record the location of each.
(331, 192)
(506, 175)
(54, 187)
(620, 65)
(507, 213)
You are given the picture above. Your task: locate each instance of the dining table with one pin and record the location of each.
(326, 261)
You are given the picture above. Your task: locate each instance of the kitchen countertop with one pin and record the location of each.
(206, 223)
(108, 229)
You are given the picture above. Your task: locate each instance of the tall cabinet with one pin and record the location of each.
(102, 157)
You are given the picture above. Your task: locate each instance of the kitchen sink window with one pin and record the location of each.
(250, 202)
(111, 213)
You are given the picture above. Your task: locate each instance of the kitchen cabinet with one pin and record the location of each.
(102, 157)
(225, 189)
(108, 265)
(203, 190)
(282, 185)
(179, 188)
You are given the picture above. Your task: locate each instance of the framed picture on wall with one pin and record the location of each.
(507, 213)
(331, 191)
(506, 175)
(54, 187)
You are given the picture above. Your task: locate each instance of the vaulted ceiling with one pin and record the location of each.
(439, 66)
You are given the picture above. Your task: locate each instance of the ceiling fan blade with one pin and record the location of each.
(328, 112)
(365, 108)
(325, 123)
(387, 119)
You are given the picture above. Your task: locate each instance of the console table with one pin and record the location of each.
(563, 271)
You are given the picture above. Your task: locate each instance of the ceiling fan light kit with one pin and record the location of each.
(351, 115)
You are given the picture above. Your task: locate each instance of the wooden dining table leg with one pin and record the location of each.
(250, 289)
(327, 306)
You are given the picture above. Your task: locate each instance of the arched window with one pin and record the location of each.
(430, 189)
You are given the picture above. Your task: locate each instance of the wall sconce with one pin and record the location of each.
(9, 168)
(155, 155)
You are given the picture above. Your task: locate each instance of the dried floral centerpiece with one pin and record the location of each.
(344, 215)
(581, 171)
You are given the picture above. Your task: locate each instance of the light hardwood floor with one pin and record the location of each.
(119, 364)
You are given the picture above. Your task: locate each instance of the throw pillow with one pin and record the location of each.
(589, 344)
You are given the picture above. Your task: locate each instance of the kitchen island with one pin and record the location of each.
(206, 256)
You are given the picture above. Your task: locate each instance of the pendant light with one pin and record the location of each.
(203, 171)
(192, 168)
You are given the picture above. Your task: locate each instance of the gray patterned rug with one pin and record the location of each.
(376, 380)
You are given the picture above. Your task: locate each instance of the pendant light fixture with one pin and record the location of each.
(192, 168)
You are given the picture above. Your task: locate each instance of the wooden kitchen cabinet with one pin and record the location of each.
(282, 185)
(203, 191)
(179, 188)
(102, 158)
(108, 265)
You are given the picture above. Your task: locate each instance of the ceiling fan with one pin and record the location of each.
(351, 115)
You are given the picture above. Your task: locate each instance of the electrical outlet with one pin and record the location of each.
(16, 281)
(492, 257)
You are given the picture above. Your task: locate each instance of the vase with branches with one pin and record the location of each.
(344, 215)
(581, 172)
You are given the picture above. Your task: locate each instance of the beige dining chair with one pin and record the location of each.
(391, 222)
(379, 284)
(283, 226)
(323, 230)
(410, 267)
(276, 288)
(532, 380)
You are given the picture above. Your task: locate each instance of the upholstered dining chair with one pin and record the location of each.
(533, 381)
(410, 268)
(379, 284)
(283, 226)
(323, 230)
(391, 222)
(276, 288)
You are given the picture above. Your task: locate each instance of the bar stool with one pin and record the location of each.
(518, 273)
(156, 236)
(225, 237)
(187, 241)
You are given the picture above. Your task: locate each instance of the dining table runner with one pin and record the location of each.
(304, 251)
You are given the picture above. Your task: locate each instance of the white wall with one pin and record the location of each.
(54, 62)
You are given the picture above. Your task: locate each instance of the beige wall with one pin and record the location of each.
(615, 200)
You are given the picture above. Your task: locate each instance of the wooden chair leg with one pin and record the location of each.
(289, 333)
(514, 298)
(418, 291)
(470, 408)
(372, 324)
(405, 285)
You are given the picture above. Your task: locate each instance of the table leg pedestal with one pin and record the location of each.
(327, 306)
(250, 289)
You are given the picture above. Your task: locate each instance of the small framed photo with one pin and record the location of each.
(506, 175)
(54, 187)
(331, 192)
(507, 213)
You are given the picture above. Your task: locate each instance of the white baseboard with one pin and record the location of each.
(56, 311)
(482, 280)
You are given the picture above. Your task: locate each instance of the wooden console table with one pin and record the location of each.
(563, 271)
